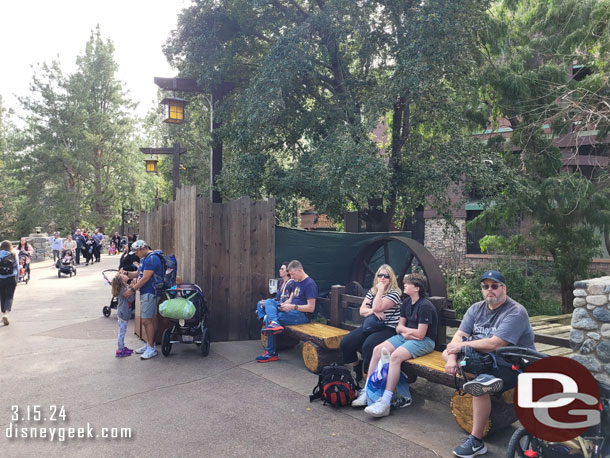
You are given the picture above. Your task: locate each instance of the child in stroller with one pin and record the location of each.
(65, 264)
(24, 267)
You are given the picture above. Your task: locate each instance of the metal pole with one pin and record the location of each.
(176, 172)
(215, 156)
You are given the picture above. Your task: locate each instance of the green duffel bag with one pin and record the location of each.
(179, 308)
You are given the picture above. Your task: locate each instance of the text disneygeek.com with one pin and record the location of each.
(26, 423)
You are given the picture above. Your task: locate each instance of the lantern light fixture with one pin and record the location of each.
(175, 109)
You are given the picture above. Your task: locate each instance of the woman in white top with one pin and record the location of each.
(381, 311)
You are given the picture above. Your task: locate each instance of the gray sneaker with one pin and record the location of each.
(379, 409)
(5, 320)
(361, 400)
(150, 353)
(470, 448)
(483, 384)
(141, 350)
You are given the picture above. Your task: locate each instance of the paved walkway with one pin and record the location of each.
(59, 351)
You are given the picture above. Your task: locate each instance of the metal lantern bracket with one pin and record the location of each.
(176, 151)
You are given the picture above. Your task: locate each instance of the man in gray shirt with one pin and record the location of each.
(495, 322)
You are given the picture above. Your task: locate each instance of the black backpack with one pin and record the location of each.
(7, 265)
(335, 386)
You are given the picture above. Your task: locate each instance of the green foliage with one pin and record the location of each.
(78, 146)
(529, 283)
(310, 81)
(532, 47)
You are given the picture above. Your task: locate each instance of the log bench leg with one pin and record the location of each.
(316, 357)
(502, 412)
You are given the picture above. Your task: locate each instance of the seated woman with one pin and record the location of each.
(284, 291)
(381, 311)
(415, 336)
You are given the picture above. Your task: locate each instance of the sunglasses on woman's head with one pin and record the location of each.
(493, 286)
(383, 276)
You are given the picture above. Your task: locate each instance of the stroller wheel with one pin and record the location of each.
(520, 442)
(58, 275)
(106, 311)
(166, 346)
(205, 343)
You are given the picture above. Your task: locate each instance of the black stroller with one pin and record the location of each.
(65, 264)
(23, 274)
(114, 302)
(593, 443)
(191, 330)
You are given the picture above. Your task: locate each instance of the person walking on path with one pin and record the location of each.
(25, 247)
(296, 310)
(123, 312)
(99, 238)
(80, 244)
(150, 267)
(9, 267)
(56, 246)
(70, 244)
(495, 322)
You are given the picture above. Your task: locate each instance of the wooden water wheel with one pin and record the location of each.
(405, 255)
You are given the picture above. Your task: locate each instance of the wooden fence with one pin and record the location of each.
(227, 249)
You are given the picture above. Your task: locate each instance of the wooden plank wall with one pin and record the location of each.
(227, 249)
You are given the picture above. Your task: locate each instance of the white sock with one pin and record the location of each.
(387, 397)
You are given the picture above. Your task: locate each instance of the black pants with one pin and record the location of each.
(77, 254)
(365, 342)
(7, 291)
(98, 252)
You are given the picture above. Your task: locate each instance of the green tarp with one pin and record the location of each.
(327, 257)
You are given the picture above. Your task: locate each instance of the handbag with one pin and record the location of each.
(372, 324)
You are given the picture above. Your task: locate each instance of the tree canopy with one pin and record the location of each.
(310, 81)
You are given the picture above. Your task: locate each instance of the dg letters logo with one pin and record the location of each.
(557, 399)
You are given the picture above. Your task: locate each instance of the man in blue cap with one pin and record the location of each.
(495, 322)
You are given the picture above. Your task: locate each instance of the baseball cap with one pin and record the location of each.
(138, 244)
(493, 275)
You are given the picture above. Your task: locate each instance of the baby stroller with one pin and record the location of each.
(65, 264)
(24, 267)
(187, 309)
(593, 443)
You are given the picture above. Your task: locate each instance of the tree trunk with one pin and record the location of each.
(567, 296)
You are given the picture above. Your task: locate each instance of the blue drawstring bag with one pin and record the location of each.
(375, 386)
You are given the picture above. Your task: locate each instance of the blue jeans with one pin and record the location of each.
(122, 331)
(284, 318)
(261, 306)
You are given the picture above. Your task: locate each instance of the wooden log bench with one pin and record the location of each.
(320, 343)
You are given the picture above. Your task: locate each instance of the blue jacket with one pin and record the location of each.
(4, 254)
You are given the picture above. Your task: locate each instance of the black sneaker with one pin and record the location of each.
(470, 447)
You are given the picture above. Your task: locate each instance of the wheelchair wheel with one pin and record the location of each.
(166, 346)
(520, 442)
(205, 343)
(106, 311)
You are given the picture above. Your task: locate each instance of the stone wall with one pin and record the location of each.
(446, 244)
(590, 335)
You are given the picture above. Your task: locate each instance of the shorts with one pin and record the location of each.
(507, 374)
(417, 348)
(148, 303)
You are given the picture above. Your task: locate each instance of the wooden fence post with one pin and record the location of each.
(336, 291)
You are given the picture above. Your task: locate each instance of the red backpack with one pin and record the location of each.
(335, 386)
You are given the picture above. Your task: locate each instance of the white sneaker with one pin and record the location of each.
(361, 400)
(379, 409)
(150, 353)
(141, 350)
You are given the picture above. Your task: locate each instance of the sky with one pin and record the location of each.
(37, 31)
